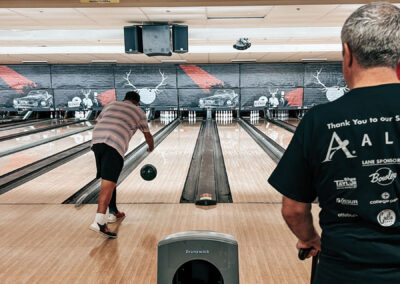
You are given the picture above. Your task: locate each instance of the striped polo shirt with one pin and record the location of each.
(117, 123)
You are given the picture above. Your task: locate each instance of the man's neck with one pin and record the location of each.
(128, 101)
(374, 76)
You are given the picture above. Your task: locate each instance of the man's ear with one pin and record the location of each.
(398, 70)
(347, 55)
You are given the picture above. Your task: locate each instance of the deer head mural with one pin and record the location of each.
(332, 93)
(147, 95)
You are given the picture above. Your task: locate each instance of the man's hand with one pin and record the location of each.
(149, 141)
(299, 219)
(314, 244)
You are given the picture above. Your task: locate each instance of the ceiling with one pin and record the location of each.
(77, 35)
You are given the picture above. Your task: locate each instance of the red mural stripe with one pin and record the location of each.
(107, 97)
(15, 80)
(202, 78)
(295, 97)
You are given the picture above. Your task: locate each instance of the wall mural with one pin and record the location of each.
(156, 84)
(83, 99)
(276, 97)
(216, 86)
(275, 85)
(215, 98)
(25, 87)
(323, 83)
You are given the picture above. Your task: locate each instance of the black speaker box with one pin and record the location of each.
(156, 40)
(133, 39)
(180, 39)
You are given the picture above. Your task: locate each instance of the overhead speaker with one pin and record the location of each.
(180, 39)
(133, 39)
(156, 40)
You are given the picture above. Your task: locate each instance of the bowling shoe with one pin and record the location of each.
(112, 218)
(102, 229)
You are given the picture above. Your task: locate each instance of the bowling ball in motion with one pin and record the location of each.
(148, 172)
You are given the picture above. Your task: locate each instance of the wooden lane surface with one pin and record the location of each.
(52, 243)
(247, 165)
(17, 160)
(60, 183)
(23, 140)
(172, 160)
(275, 132)
(43, 124)
(293, 121)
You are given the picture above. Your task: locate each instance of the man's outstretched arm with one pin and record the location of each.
(149, 141)
(299, 219)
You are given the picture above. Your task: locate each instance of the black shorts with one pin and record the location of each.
(109, 162)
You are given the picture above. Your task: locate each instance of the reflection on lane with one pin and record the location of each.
(24, 140)
(275, 132)
(247, 165)
(172, 160)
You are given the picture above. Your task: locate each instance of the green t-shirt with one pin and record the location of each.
(347, 153)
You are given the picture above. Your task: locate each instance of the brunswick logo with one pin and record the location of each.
(383, 176)
(341, 145)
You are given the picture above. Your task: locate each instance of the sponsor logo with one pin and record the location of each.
(340, 145)
(383, 176)
(386, 218)
(197, 251)
(386, 201)
(347, 215)
(346, 183)
(385, 195)
(343, 201)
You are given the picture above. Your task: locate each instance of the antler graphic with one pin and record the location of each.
(163, 78)
(273, 92)
(128, 81)
(86, 92)
(319, 82)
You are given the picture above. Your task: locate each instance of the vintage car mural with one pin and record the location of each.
(220, 98)
(34, 99)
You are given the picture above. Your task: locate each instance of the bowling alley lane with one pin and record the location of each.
(17, 160)
(49, 243)
(24, 140)
(22, 128)
(172, 160)
(275, 132)
(293, 121)
(60, 183)
(247, 165)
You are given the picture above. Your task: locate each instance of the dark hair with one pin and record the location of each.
(132, 96)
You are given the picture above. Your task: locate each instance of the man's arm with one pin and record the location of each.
(149, 141)
(299, 219)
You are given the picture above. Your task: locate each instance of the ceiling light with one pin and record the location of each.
(173, 61)
(119, 49)
(34, 62)
(314, 59)
(243, 60)
(104, 61)
(234, 18)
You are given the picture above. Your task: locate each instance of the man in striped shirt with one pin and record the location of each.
(116, 125)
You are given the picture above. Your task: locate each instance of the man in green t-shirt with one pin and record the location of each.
(347, 153)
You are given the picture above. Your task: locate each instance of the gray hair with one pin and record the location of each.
(373, 34)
